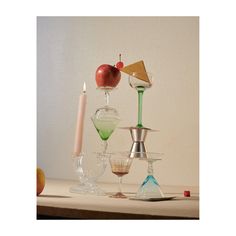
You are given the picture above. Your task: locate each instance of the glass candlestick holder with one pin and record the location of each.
(88, 168)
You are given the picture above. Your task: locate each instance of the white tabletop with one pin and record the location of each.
(56, 196)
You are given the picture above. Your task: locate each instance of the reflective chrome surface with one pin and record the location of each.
(138, 135)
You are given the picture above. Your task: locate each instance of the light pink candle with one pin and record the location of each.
(80, 122)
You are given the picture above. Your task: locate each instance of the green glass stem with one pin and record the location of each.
(140, 106)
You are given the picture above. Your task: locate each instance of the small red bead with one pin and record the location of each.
(187, 193)
(119, 65)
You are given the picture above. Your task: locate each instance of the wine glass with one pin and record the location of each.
(105, 119)
(140, 86)
(120, 165)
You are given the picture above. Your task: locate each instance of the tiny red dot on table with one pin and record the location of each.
(187, 193)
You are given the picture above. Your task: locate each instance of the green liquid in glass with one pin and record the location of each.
(104, 134)
(140, 90)
(105, 128)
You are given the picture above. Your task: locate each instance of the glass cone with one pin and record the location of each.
(105, 127)
(149, 189)
(105, 121)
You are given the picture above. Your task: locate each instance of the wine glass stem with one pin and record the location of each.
(107, 95)
(120, 183)
(140, 105)
(150, 168)
(105, 145)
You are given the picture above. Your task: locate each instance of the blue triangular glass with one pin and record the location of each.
(149, 189)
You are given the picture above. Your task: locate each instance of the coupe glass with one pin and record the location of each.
(140, 86)
(105, 119)
(88, 169)
(120, 165)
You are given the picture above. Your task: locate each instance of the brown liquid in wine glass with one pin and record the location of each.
(120, 170)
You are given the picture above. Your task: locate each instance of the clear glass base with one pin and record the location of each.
(149, 189)
(88, 188)
(118, 195)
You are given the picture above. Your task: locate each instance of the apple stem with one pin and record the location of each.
(120, 57)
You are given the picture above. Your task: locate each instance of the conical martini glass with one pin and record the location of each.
(150, 188)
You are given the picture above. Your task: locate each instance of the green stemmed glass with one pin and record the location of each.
(140, 87)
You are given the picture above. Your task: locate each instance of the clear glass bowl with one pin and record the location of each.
(137, 83)
(120, 165)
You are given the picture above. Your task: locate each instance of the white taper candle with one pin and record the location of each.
(80, 122)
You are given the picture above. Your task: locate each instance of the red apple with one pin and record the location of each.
(107, 76)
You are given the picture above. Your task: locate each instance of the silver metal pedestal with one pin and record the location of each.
(138, 136)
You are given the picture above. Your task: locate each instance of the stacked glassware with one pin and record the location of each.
(105, 120)
(140, 80)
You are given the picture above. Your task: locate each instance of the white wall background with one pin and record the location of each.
(69, 49)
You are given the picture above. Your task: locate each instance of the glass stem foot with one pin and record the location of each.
(118, 195)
